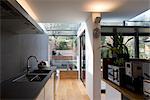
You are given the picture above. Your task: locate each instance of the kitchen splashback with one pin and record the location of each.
(16, 48)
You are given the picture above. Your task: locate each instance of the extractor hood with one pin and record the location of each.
(14, 19)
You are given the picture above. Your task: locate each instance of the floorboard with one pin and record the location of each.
(70, 89)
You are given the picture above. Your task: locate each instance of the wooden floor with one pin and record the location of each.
(70, 89)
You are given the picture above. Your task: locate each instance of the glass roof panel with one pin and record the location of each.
(60, 28)
(61, 32)
(145, 16)
(142, 19)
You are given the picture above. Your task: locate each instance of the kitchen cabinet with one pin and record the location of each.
(41, 95)
(50, 88)
(71, 74)
(48, 91)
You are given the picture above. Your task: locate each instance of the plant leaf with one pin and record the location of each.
(127, 52)
(109, 45)
(128, 40)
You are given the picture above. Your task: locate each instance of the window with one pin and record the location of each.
(130, 45)
(63, 51)
(105, 52)
(144, 47)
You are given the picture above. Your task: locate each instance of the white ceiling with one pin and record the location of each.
(70, 11)
(128, 10)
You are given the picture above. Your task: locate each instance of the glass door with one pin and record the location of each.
(82, 58)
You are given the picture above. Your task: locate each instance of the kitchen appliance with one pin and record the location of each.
(115, 74)
(133, 75)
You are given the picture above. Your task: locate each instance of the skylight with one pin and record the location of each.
(59, 28)
(140, 20)
(145, 16)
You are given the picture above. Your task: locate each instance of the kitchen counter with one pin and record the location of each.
(127, 93)
(24, 90)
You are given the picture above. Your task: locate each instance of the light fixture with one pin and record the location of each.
(102, 5)
(97, 30)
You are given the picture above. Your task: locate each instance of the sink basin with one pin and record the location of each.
(24, 78)
(40, 71)
(38, 78)
(30, 77)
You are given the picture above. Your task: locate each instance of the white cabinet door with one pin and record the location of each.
(48, 91)
(49, 88)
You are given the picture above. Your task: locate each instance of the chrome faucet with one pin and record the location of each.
(28, 62)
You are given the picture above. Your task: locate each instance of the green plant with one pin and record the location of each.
(63, 46)
(119, 49)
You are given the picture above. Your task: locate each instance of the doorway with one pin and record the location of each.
(82, 58)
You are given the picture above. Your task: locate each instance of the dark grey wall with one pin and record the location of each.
(17, 47)
(0, 54)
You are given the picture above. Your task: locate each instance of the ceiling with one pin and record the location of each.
(71, 11)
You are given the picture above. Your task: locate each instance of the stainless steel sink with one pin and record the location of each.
(40, 71)
(30, 78)
(37, 78)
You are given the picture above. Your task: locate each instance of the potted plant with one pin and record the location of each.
(120, 54)
(119, 49)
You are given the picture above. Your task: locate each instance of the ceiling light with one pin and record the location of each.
(102, 5)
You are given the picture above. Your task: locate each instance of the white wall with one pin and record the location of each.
(89, 57)
(88, 27)
(92, 60)
(96, 60)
